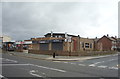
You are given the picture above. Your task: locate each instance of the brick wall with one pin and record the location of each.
(59, 53)
(104, 44)
(84, 41)
(64, 53)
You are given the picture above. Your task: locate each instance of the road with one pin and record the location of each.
(16, 66)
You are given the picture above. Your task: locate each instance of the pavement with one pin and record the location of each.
(57, 58)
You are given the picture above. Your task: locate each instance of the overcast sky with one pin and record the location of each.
(24, 20)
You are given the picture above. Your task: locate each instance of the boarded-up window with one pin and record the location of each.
(44, 46)
(57, 46)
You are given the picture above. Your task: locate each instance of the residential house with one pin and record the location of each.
(106, 43)
(118, 44)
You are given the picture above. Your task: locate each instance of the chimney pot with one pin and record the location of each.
(107, 34)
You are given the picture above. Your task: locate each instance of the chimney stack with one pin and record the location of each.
(51, 34)
(107, 35)
(66, 35)
(78, 35)
(96, 38)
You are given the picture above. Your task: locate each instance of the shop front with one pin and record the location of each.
(44, 44)
(57, 45)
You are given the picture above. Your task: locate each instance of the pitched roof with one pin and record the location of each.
(110, 38)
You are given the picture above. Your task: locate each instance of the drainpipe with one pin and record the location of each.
(78, 43)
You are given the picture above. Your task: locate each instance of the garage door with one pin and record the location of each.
(44, 46)
(57, 46)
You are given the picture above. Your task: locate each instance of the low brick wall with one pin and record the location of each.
(65, 53)
(93, 53)
(18, 50)
(59, 53)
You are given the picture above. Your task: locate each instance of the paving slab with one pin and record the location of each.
(57, 58)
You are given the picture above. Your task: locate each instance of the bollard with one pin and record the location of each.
(53, 55)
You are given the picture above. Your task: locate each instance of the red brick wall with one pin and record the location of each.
(106, 43)
(75, 46)
(63, 53)
(59, 53)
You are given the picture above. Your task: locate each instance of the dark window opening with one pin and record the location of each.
(90, 45)
(86, 45)
(82, 44)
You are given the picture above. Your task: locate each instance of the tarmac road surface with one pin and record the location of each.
(15, 66)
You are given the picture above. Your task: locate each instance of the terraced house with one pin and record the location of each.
(106, 43)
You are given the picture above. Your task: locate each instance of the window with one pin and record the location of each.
(60, 36)
(113, 42)
(82, 44)
(56, 36)
(86, 45)
(91, 45)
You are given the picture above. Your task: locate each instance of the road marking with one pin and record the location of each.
(112, 59)
(82, 64)
(65, 62)
(10, 54)
(10, 60)
(32, 72)
(43, 73)
(99, 62)
(73, 63)
(1, 76)
(48, 68)
(113, 68)
(14, 64)
(92, 65)
(102, 66)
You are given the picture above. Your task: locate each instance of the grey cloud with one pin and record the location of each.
(24, 20)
